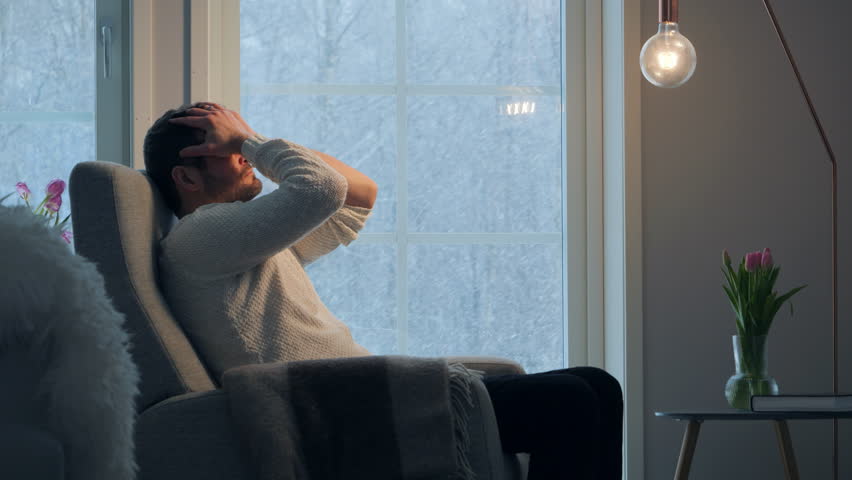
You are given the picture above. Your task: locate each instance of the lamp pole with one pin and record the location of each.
(830, 151)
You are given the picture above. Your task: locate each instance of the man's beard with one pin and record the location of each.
(247, 192)
(240, 192)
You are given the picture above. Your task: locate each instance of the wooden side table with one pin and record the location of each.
(779, 419)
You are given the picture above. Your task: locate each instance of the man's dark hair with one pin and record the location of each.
(161, 149)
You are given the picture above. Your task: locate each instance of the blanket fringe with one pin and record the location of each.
(461, 402)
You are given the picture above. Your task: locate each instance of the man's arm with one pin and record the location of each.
(362, 189)
(343, 227)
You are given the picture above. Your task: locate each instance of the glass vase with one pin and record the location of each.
(751, 377)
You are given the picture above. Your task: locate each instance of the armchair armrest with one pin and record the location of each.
(489, 365)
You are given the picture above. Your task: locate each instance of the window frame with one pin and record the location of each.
(113, 105)
(621, 190)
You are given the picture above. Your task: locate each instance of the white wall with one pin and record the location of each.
(731, 160)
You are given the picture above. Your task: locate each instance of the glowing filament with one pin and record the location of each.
(668, 60)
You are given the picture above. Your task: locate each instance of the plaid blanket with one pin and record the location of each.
(371, 418)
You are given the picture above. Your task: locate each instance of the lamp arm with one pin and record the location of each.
(804, 89)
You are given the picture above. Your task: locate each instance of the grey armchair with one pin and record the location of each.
(183, 427)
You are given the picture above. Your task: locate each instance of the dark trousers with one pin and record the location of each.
(569, 421)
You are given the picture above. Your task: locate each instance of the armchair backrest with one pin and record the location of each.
(119, 217)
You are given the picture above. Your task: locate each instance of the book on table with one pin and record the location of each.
(801, 403)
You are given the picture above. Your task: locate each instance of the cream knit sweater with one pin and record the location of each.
(233, 273)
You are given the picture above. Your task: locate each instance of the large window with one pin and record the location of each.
(54, 78)
(454, 109)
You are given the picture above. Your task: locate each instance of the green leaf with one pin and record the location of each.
(742, 280)
(6, 196)
(730, 270)
(768, 312)
(732, 283)
(773, 276)
(732, 299)
(783, 298)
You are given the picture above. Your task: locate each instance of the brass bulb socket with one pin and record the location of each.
(668, 11)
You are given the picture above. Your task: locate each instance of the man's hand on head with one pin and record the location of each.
(225, 130)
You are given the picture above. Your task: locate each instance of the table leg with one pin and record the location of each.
(786, 445)
(687, 449)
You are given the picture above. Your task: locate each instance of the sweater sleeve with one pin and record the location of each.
(341, 229)
(225, 239)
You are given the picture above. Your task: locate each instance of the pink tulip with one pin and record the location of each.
(67, 236)
(23, 190)
(53, 203)
(766, 261)
(752, 261)
(55, 188)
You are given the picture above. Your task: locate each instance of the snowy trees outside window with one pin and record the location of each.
(47, 91)
(453, 108)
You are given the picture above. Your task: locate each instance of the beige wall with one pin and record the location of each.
(731, 160)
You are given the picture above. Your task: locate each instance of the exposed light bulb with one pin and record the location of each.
(668, 58)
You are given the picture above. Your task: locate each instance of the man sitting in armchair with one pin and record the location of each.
(233, 272)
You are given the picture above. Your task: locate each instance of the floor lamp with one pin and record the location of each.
(668, 60)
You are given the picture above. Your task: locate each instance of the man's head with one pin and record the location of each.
(188, 183)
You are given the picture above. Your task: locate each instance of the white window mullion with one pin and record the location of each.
(402, 181)
(160, 57)
(46, 117)
(622, 163)
(215, 52)
(464, 238)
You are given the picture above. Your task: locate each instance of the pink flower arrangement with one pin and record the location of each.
(49, 206)
(750, 291)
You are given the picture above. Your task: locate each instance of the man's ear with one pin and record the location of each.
(187, 179)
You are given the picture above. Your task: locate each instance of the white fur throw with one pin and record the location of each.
(55, 301)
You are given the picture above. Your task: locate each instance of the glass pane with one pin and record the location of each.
(359, 130)
(503, 300)
(317, 41)
(484, 42)
(480, 159)
(47, 56)
(36, 153)
(475, 168)
(358, 284)
(47, 93)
